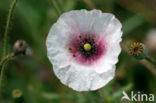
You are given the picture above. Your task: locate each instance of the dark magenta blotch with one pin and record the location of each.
(87, 57)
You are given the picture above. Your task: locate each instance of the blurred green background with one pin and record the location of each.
(34, 76)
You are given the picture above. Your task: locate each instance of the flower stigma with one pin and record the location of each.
(87, 47)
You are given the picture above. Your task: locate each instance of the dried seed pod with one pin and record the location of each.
(138, 50)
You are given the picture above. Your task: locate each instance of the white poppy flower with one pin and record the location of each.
(83, 47)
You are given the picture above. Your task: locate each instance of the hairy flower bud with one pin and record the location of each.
(17, 95)
(21, 48)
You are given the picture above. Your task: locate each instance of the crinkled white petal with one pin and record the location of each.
(82, 79)
(77, 76)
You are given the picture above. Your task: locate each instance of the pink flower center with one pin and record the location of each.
(87, 48)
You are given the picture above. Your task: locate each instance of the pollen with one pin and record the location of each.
(136, 49)
(87, 47)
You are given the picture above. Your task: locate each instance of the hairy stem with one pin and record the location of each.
(99, 93)
(90, 4)
(10, 15)
(56, 6)
(150, 60)
(2, 68)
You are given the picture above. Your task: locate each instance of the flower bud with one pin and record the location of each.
(138, 50)
(17, 95)
(21, 48)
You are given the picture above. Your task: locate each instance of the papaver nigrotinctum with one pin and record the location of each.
(83, 47)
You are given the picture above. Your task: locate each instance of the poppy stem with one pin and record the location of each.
(2, 68)
(56, 6)
(8, 22)
(99, 93)
(89, 3)
(151, 60)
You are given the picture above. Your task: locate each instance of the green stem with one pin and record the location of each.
(60, 5)
(150, 60)
(55, 4)
(10, 15)
(100, 95)
(2, 68)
